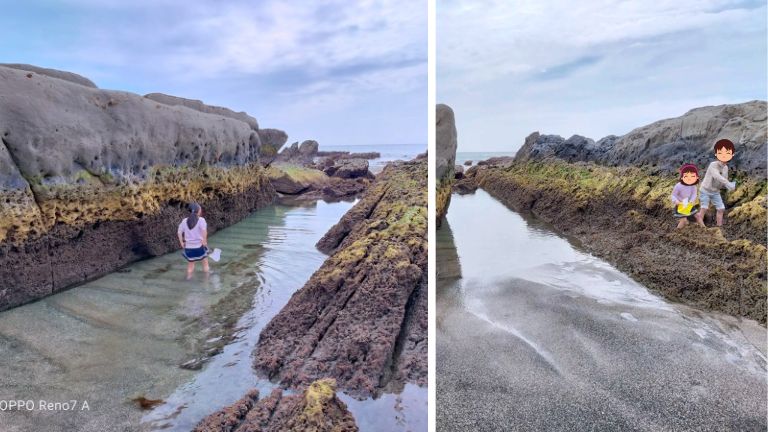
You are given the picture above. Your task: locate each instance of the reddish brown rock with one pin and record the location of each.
(316, 409)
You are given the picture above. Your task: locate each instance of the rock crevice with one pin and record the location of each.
(364, 310)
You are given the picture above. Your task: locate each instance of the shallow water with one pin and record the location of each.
(538, 335)
(125, 335)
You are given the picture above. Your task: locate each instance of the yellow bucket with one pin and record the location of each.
(685, 210)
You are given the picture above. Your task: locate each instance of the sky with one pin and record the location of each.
(339, 72)
(512, 67)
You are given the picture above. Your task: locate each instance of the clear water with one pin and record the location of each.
(539, 335)
(124, 335)
(389, 152)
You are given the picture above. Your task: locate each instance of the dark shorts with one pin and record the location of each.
(196, 254)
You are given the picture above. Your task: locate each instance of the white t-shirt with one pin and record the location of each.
(193, 237)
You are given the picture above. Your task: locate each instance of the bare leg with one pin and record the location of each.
(683, 222)
(700, 217)
(719, 217)
(206, 269)
(190, 269)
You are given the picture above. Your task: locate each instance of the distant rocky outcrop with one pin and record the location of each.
(308, 148)
(94, 179)
(300, 169)
(316, 409)
(362, 317)
(666, 144)
(272, 140)
(348, 168)
(334, 155)
(293, 179)
(446, 142)
(296, 153)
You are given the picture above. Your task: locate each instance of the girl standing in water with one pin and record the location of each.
(193, 237)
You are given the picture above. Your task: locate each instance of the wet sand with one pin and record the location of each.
(538, 335)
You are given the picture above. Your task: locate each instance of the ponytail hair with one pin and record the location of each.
(192, 219)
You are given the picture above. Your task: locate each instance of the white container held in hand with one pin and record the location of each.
(215, 255)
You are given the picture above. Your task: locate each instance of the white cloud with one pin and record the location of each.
(200, 40)
(605, 66)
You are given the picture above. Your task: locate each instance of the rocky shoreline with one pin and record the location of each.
(359, 324)
(92, 180)
(361, 318)
(622, 213)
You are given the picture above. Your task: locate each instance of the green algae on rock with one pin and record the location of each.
(94, 179)
(622, 214)
(362, 317)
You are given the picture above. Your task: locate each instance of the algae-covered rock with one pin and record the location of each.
(316, 409)
(623, 215)
(446, 142)
(362, 317)
(94, 179)
(294, 179)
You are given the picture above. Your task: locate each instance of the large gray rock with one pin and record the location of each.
(574, 149)
(308, 148)
(57, 129)
(348, 168)
(272, 140)
(446, 142)
(667, 144)
(53, 73)
(202, 107)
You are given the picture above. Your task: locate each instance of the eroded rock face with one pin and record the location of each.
(362, 317)
(666, 144)
(446, 142)
(316, 409)
(94, 179)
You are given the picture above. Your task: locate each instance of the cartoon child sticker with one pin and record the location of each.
(684, 193)
(715, 179)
